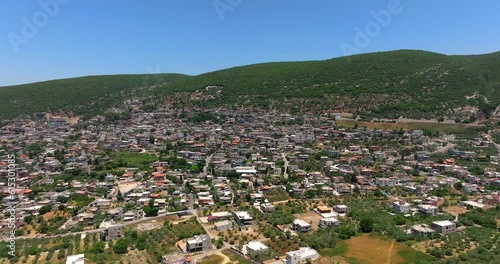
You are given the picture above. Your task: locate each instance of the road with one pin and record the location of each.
(41, 172)
(144, 219)
(490, 138)
(443, 149)
(207, 163)
(285, 160)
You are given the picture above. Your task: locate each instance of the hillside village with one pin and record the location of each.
(242, 185)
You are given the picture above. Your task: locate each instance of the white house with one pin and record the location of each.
(256, 246)
(301, 255)
(76, 259)
(401, 206)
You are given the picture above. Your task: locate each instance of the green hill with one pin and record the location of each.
(86, 96)
(414, 84)
(387, 84)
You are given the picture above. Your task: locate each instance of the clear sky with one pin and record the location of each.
(95, 37)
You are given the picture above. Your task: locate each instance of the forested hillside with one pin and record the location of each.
(408, 83)
(87, 96)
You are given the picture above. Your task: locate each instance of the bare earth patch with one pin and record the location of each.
(331, 260)
(455, 210)
(368, 249)
(310, 217)
(48, 215)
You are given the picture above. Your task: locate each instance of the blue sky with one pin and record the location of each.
(95, 37)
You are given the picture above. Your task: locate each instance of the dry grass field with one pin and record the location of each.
(368, 249)
(375, 250)
(455, 210)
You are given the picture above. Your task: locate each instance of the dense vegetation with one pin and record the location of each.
(86, 96)
(414, 84)
(151, 245)
(389, 84)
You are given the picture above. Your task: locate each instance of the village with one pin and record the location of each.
(251, 185)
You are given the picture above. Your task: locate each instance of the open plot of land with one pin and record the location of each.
(235, 257)
(281, 247)
(217, 258)
(310, 217)
(455, 210)
(148, 226)
(372, 249)
(331, 260)
(126, 187)
(369, 249)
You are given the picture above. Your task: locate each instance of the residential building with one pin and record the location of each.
(428, 209)
(112, 231)
(256, 247)
(386, 182)
(223, 225)
(301, 255)
(471, 204)
(242, 218)
(422, 230)
(341, 209)
(401, 206)
(268, 207)
(300, 225)
(199, 243)
(444, 227)
(76, 259)
(329, 222)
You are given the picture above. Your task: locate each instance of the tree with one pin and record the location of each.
(149, 210)
(311, 193)
(119, 196)
(62, 199)
(28, 219)
(366, 224)
(399, 219)
(45, 209)
(98, 247)
(121, 246)
(61, 254)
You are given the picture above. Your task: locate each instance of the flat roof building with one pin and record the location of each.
(329, 222)
(223, 225)
(301, 255)
(444, 227)
(255, 247)
(242, 218)
(300, 225)
(76, 259)
(199, 243)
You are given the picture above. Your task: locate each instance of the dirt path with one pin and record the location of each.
(226, 258)
(389, 254)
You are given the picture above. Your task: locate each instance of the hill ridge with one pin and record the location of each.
(409, 83)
